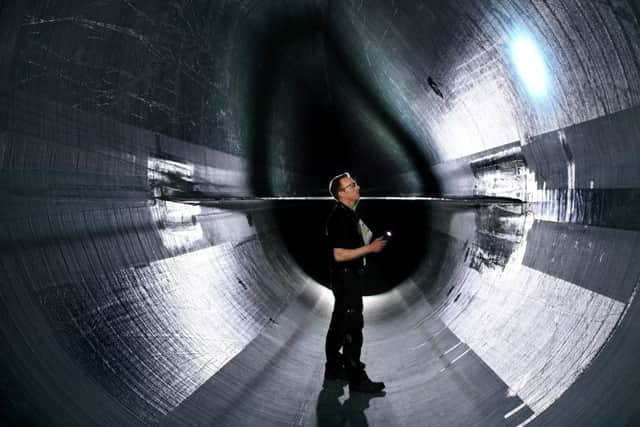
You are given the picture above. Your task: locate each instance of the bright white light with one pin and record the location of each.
(530, 66)
(180, 229)
(160, 169)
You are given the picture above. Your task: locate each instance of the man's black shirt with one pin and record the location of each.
(343, 231)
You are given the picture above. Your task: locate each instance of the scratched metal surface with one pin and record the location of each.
(121, 305)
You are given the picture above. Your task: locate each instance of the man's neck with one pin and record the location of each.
(350, 205)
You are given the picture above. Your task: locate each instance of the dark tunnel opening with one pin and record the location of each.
(302, 226)
(303, 124)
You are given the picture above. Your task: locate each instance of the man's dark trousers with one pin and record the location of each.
(347, 322)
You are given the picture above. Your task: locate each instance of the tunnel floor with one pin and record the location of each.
(432, 378)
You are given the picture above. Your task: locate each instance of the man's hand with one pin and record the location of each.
(378, 244)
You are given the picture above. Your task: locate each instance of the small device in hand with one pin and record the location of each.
(386, 235)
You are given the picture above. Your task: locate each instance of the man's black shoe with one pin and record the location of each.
(367, 386)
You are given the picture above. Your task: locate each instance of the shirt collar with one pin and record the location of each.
(347, 207)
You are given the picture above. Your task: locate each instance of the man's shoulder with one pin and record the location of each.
(339, 213)
(335, 216)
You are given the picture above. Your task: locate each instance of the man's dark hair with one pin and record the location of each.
(334, 184)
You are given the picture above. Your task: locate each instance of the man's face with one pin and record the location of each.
(350, 189)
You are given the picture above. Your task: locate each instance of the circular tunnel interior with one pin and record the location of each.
(165, 167)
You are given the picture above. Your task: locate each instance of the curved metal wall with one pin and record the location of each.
(122, 305)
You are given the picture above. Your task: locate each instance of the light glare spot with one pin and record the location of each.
(530, 66)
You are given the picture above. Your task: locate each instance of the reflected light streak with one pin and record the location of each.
(537, 332)
(474, 200)
(479, 119)
(179, 225)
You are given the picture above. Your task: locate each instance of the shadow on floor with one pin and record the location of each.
(334, 410)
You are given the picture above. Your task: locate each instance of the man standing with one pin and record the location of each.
(349, 242)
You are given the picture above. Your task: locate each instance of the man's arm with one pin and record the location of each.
(343, 255)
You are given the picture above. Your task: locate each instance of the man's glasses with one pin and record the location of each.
(346, 187)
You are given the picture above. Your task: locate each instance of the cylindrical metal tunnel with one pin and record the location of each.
(165, 166)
